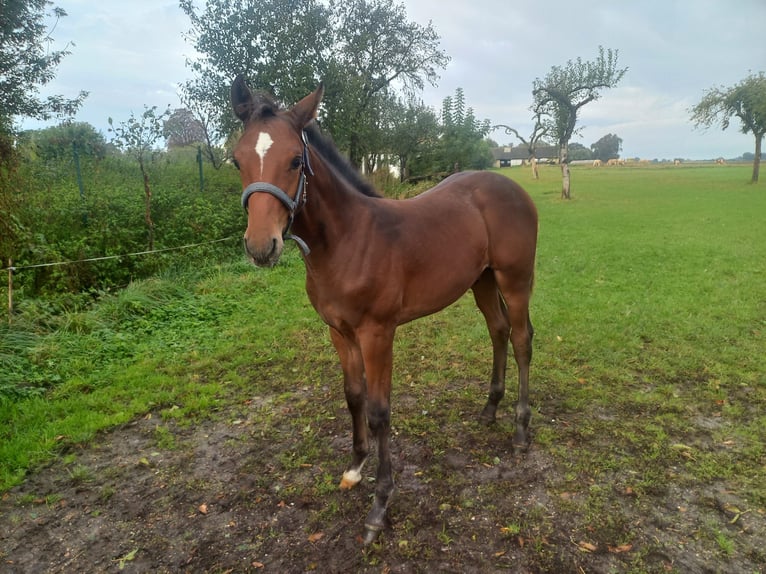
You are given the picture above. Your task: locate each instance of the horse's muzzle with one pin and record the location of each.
(266, 255)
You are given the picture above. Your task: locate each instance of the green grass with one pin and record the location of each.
(175, 345)
(649, 313)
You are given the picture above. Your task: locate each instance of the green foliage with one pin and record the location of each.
(746, 101)
(578, 151)
(362, 49)
(59, 225)
(135, 351)
(462, 144)
(28, 62)
(205, 104)
(606, 148)
(412, 131)
(376, 45)
(138, 137)
(57, 143)
(15, 346)
(561, 94)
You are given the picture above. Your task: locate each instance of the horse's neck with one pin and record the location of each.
(333, 209)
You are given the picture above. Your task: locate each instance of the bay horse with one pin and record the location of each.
(373, 263)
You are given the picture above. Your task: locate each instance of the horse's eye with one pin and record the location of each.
(236, 163)
(296, 163)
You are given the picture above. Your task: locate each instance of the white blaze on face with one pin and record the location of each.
(262, 146)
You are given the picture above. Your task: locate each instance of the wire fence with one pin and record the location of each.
(11, 268)
(15, 268)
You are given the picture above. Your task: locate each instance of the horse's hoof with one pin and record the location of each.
(371, 533)
(520, 446)
(350, 479)
(487, 416)
(521, 442)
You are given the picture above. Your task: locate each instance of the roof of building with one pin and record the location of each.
(521, 152)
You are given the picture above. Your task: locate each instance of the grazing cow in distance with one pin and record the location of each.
(720, 161)
(596, 163)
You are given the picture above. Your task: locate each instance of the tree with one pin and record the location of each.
(58, 142)
(747, 101)
(362, 49)
(377, 47)
(561, 94)
(608, 147)
(182, 129)
(205, 104)
(27, 62)
(281, 46)
(412, 131)
(137, 137)
(577, 151)
(462, 144)
(538, 133)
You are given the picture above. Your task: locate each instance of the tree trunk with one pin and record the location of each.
(564, 161)
(147, 204)
(757, 159)
(355, 152)
(369, 164)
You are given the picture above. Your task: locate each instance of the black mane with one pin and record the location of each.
(325, 147)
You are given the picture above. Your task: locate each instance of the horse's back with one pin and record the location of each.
(501, 201)
(485, 189)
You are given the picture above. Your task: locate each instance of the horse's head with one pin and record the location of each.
(272, 158)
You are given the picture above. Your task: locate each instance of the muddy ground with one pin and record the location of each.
(254, 489)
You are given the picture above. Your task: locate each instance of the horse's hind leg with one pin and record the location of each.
(517, 292)
(492, 306)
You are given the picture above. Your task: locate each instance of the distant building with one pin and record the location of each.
(509, 156)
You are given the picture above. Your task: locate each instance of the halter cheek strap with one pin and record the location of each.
(292, 205)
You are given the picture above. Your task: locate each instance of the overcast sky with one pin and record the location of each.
(131, 54)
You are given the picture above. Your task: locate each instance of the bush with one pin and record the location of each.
(59, 223)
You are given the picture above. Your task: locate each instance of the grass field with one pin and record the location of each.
(648, 380)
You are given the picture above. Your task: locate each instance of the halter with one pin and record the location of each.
(292, 205)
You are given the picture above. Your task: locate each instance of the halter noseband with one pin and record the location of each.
(292, 205)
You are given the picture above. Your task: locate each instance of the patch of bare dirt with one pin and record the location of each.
(226, 496)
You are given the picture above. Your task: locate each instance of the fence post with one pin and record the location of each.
(199, 162)
(76, 157)
(10, 289)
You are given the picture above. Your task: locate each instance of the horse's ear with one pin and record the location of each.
(306, 110)
(241, 98)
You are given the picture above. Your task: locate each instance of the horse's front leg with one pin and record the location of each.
(377, 352)
(356, 398)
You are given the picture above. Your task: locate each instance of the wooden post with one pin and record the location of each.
(10, 289)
